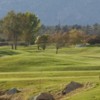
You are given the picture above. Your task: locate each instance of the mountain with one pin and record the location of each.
(52, 11)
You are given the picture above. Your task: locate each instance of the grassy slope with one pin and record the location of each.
(29, 59)
(47, 71)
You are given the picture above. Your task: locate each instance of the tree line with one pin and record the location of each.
(62, 36)
(25, 28)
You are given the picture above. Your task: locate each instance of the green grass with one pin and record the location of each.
(68, 59)
(92, 94)
(47, 71)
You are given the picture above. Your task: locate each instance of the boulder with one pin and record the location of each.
(71, 87)
(12, 91)
(43, 96)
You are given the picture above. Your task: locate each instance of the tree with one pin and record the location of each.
(42, 41)
(96, 28)
(76, 36)
(30, 27)
(11, 27)
(94, 39)
(58, 39)
(89, 29)
(1, 22)
(65, 28)
(16, 25)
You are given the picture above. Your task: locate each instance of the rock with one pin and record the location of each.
(71, 87)
(12, 91)
(43, 96)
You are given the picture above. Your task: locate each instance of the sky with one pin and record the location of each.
(50, 12)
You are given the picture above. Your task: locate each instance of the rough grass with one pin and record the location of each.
(38, 71)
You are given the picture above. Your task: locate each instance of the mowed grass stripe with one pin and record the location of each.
(48, 74)
(42, 78)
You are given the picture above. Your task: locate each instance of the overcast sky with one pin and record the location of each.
(51, 11)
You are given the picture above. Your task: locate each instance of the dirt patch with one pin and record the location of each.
(2, 92)
(9, 94)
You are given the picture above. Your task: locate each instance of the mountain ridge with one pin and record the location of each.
(52, 11)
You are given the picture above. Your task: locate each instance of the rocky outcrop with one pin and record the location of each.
(71, 87)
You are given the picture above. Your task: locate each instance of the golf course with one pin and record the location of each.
(38, 71)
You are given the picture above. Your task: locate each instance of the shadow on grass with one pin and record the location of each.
(7, 52)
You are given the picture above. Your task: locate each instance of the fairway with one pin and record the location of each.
(40, 71)
(30, 59)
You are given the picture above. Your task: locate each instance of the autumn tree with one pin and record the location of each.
(94, 39)
(59, 40)
(76, 37)
(42, 41)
